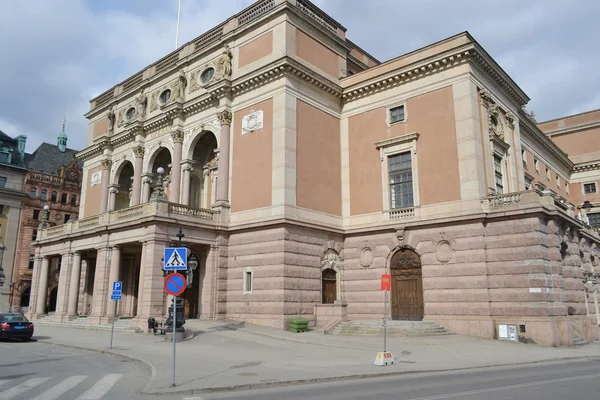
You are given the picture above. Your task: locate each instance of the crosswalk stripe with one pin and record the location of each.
(57, 390)
(101, 387)
(22, 388)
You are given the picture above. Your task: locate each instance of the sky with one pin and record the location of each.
(55, 55)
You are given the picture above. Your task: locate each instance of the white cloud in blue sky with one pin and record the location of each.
(55, 55)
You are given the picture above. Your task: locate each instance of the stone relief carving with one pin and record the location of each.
(366, 255)
(224, 64)
(405, 259)
(177, 136)
(96, 178)
(330, 260)
(153, 101)
(121, 117)
(252, 121)
(138, 151)
(224, 117)
(495, 123)
(443, 248)
(510, 119)
(194, 77)
(485, 98)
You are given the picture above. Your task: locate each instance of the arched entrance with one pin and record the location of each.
(125, 186)
(407, 286)
(25, 299)
(52, 303)
(203, 175)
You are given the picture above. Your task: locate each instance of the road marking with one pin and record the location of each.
(508, 387)
(57, 390)
(22, 388)
(3, 381)
(192, 398)
(101, 387)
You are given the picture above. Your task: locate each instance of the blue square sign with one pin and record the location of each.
(117, 291)
(175, 258)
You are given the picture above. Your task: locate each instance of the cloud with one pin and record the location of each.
(57, 55)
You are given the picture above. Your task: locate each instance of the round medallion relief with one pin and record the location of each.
(366, 257)
(444, 251)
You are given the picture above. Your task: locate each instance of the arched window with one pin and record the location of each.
(73, 200)
(54, 196)
(44, 194)
(329, 282)
(33, 193)
(63, 198)
(25, 296)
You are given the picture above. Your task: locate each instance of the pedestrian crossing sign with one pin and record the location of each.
(175, 258)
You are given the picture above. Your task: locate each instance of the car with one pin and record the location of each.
(15, 326)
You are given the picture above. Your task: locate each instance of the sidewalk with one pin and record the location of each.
(230, 355)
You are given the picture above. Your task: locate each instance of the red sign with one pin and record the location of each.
(175, 284)
(386, 282)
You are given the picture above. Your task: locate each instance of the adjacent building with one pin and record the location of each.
(53, 179)
(12, 174)
(300, 169)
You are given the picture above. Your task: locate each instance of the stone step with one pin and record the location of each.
(81, 323)
(394, 328)
(580, 341)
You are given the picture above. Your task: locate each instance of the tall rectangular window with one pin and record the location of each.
(498, 174)
(401, 182)
(4, 157)
(247, 281)
(396, 114)
(36, 214)
(2, 181)
(31, 262)
(67, 218)
(528, 183)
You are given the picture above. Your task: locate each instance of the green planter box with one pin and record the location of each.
(298, 324)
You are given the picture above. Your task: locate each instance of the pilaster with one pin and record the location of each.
(63, 287)
(284, 150)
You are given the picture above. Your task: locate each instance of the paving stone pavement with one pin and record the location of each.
(226, 355)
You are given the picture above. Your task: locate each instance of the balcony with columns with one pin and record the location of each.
(159, 191)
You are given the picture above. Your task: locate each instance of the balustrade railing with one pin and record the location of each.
(504, 199)
(134, 211)
(402, 213)
(188, 211)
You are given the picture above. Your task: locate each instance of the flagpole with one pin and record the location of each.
(177, 34)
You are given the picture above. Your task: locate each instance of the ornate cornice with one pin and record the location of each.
(95, 149)
(408, 73)
(409, 137)
(106, 163)
(590, 166)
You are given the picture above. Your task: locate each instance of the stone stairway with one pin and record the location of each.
(394, 328)
(122, 325)
(577, 341)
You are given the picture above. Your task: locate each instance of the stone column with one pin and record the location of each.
(223, 182)
(113, 190)
(146, 181)
(40, 308)
(100, 287)
(187, 169)
(141, 287)
(138, 152)
(35, 283)
(152, 303)
(106, 165)
(209, 284)
(61, 294)
(74, 286)
(115, 273)
(175, 185)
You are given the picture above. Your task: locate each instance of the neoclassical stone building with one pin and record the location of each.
(301, 169)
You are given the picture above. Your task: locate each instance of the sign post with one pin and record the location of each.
(117, 294)
(175, 260)
(385, 357)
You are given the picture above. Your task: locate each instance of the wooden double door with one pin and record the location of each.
(407, 286)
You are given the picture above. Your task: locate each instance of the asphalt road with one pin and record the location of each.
(41, 371)
(550, 381)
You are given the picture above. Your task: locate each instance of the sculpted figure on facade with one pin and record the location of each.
(179, 87)
(121, 117)
(224, 64)
(110, 115)
(141, 101)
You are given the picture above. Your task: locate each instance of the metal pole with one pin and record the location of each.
(113, 325)
(174, 324)
(177, 34)
(385, 321)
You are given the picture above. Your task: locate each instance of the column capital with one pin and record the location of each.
(106, 163)
(139, 151)
(177, 136)
(224, 117)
